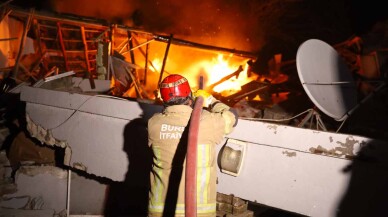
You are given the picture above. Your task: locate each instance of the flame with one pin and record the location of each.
(220, 67)
(213, 70)
(112, 83)
(279, 97)
(156, 65)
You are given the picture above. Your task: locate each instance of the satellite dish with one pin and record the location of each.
(326, 78)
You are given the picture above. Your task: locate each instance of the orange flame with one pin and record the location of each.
(213, 71)
(218, 68)
(156, 65)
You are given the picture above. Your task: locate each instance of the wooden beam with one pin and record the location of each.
(138, 46)
(98, 24)
(122, 45)
(37, 34)
(85, 48)
(63, 48)
(146, 66)
(112, 39)
(92, 23)
(165, 59)
(145, 54)
(5, 3)
(27, 25)
(8, 39)
(91, 79)
(41, 52)
(130, 43)
(103, 34)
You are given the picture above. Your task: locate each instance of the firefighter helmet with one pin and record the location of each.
(174, 86)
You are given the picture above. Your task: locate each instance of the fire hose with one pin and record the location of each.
(191, 161)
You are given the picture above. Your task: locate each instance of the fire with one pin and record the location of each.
(216, 73)
(156, 65)
(219, 68)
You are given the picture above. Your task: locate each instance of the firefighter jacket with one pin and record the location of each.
(167, 134)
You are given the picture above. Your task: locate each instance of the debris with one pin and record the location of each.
(231, 206)
(24, 149)
(243, 109)
(15, 202)
(27, 213)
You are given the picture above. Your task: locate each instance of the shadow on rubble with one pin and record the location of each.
(12, 117)
(367, 191)
(130, 197)
(260, 210)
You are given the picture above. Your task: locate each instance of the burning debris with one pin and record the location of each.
(111, 61)
(134, 61)
(39, 45)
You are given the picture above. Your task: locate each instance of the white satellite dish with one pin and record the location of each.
(326, 79)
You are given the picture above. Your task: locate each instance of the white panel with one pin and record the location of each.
(294, 169)
(295, 181)
(97, 104)
(305, 140)
(97, 143)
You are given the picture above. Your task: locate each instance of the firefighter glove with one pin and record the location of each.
(208, 99)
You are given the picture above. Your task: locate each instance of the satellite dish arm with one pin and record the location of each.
(378, 88)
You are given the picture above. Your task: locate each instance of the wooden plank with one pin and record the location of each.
(48, 26)
(62, 45)
(4, 11)
(145, 54)
(98, 25)
(112, 39)
(70, 29)
(91, 79)
(41, 52)
(85, 48)
(8, 39)
(48, 39)
(27, 25)
(146, 66)
(72, 40)
(138, 46)
(74, 51)
(65, 20)
(122, 45)
(130, 43)
(165, 58)
(5, 3)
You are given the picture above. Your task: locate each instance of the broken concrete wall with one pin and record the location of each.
(24, 149)
(87, 195)
(38, 188)
(45, 189)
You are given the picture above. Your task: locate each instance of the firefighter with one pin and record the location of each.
(167, 134)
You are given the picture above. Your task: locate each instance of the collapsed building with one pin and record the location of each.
(76, 92)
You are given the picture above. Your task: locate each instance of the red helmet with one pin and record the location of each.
(174, 86)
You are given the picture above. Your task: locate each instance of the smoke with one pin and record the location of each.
(265, 27)
(224, 23)
(113, 10)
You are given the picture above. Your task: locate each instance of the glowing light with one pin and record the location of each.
(156, 65)
(216, 73)
(219, 68)
(257, 98)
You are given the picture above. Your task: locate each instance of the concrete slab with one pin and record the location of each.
(290, 168)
